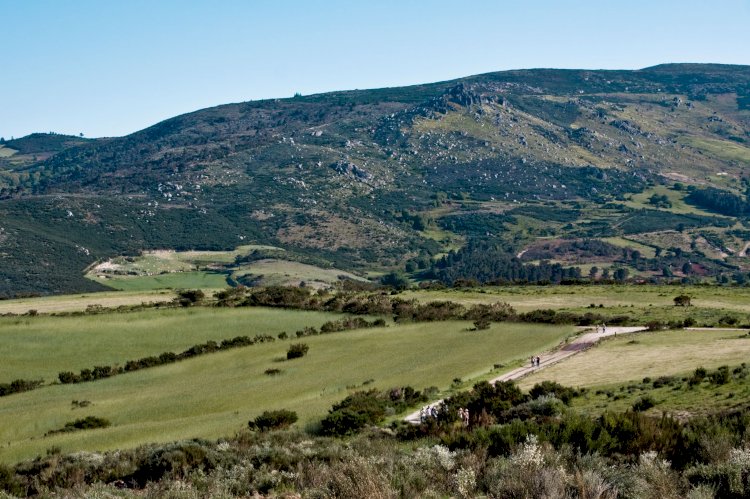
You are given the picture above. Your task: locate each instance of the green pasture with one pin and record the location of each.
(42, 346)
(646, 251)
(216, 394)
(676, 399)
(73, 303)
(677, 198)
(724, 149)
(176, 280)
(526, 298)
(272, 272)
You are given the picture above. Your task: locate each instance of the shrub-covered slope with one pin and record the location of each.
(369, 178)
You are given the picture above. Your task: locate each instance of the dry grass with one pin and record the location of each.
(632, 357)
(73, 303)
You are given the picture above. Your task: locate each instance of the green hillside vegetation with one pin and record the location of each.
(212, 395)
(378, 180)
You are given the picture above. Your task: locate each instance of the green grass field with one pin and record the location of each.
(724, 149)
(176, 280)
(72, 303)
(646, 251)
(216, 394)
(525, 298)
(272, 272)
(677, 198)
(41, 347)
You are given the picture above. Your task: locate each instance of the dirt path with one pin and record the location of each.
(579, 344)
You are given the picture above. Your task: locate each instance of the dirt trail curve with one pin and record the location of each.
(579, 344)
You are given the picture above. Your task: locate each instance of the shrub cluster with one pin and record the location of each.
(345, 324)
(101, 372)
(502, 417)
(549, 316)
(365, 408)
(363, 304)
(624, 455)
(19, 385)
(297, 350)
(87, 423)
(273, 420)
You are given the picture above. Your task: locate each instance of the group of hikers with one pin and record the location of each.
(535, 361)
(463, 414)
(431, 412)
(601, 328)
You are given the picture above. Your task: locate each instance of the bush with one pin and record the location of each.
(564, 393)
(19, 385)
(644, 403)
(480, 324)
(297, 350)
(654, 326)
(273, 420)
(395, 280)
(721, 376)
(189, 297)
(10, 483)
(87, 423)
(368, 408)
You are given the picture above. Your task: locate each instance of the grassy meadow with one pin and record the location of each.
(633, 356)
(620, 371)
(41, 346)
(216, 394)
(176, 280)
(79, 302)
(639, 301)
(273, 272)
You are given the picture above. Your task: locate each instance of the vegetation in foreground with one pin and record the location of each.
(515, 444)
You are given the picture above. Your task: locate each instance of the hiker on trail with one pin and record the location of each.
(422, 415)
(538, 359)
(604, 328)
(465, 418)
(533, 361)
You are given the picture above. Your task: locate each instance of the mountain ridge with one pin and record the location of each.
(373, 178)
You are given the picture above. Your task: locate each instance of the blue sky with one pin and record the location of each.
(107, 68)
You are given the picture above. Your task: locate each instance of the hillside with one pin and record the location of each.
(601, 170)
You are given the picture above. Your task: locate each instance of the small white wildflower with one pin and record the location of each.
(466, 482)
(530, 453)
(438, 455)
(651, 459)
(740, 458)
